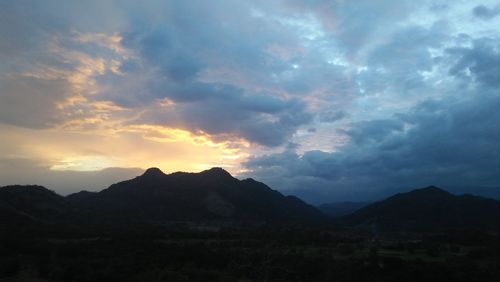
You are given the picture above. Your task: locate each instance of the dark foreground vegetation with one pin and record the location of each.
(201, 252)
(210, 226)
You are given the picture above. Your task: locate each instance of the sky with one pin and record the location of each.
(329, 100)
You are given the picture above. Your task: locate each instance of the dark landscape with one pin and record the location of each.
(251, 141)
(209, 226)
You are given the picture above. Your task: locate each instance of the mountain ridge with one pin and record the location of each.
(212, 194)
(338, 209)
(32, 203)
(428, 209)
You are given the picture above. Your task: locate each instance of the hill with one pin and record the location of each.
(339, 209)
(428, 209)
(209, 195)
(31, 203)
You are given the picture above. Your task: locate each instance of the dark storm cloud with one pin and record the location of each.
(223, 109)
(197, 36)
(178, 49)
(164, 50)
(408, 51)
(448, 142)
(398, 64)
(486, 13)
(186, 48)
(332, 116)
(451, 142)
(481, 62)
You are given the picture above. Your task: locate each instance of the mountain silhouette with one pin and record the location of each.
(209, 195)
(338, 209)
(428, 209)
(214, 195)
(31, 203)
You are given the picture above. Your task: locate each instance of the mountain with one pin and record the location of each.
(209, 195)
(31, 203)
(487, 192)
(428, 209)
(340, 208)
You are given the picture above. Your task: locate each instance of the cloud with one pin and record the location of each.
(188, 61)
(449, 141)
(357, 24)
(26, 99)
(403, 58)
(480, 63)
(262, 119)
(221, 78)
(31, 102)
(485, 13)
(48, 64)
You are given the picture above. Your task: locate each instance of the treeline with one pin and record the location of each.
(291, 254)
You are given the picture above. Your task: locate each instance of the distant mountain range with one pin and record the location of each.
(428, 209)
(157, 197)
(215, 196)
(339, 209)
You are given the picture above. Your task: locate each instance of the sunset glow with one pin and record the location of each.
(322, 98)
